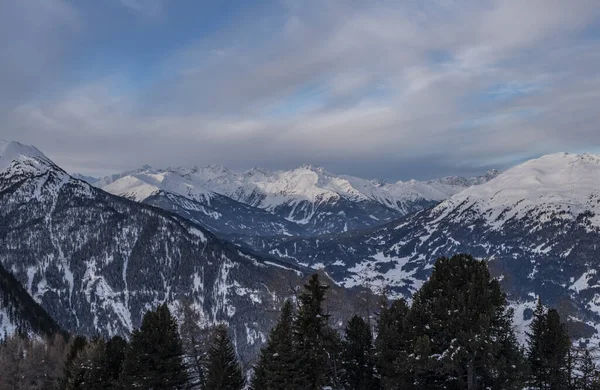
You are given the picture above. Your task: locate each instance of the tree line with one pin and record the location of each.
(457, 333)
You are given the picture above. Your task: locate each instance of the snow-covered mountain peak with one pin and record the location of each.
(559, 185)
(313, 168)
(14, 151)
(144, 183)
(257, 171)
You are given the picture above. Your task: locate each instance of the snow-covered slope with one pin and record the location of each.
(403, 195)
(559, 185)
(14, 155)
(13, 151)
(315, 200)
(147, 182)
(537, 224)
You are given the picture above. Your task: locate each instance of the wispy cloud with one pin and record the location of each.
(392, 89)
(146, 8)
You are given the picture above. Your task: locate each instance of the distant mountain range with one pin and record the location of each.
(538, 225)
(305, 201)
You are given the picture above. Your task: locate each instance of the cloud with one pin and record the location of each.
(35, 38)
(383, 89)
(146, 8)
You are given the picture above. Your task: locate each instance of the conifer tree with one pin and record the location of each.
(548, 350)
(393, 344)
(535, 349)
(276, 360)
(312, 336)
(154, 357)
(115, 355)
(463, 313)
(358, 356)
(223, 371)
(556, 351)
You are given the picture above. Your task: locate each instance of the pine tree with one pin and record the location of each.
(115, 355)
(464, 314)
(358, 356)
(535, 349)
(154, 357)
(393, 344)
(223, 371)
(312, 336)
(548, 350)
(556, 351)
(276, 361)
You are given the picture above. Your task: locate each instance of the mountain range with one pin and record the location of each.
(304, 201)
(97, 262)
(96, 257)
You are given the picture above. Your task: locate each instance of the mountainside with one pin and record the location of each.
(538, 224)
(20, 313)
(311, 200)
(96, 262)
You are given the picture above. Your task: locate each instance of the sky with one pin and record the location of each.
(378, 89)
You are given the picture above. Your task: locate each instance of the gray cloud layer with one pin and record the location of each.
(378, 89)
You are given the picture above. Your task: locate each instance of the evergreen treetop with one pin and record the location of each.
(154, 357)
(223, 371)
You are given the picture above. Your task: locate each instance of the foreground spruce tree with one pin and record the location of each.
(556, 351)
(538, 366)
(223, 371)
(312, 338)
(154, 357)
(115, 355)
(393, 345)
(462, 329)
(276, 361)
(548, 351)
(358, 362)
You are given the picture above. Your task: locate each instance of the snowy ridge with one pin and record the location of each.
(11, 151)
(316, 200)
(146, 182)
(400, 194)
(268, 190)
(31, 158)
(558, 185)
(174, 190)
